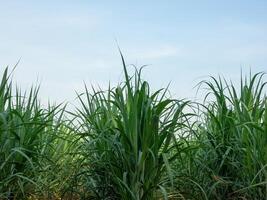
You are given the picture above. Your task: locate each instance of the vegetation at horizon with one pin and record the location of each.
(131, 143)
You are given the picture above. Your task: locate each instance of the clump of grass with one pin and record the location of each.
(129, 132)
(234, 139)
(29, 138)
(22, 124)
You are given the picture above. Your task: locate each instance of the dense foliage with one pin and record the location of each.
(128, 142)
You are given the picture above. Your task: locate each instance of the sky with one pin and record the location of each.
(64, 44)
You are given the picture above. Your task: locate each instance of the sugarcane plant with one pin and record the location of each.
(234, 137)
(25, 129)
(129, 132)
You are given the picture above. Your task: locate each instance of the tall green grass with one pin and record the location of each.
(233, 135)
(129, 142)
(130, 132)
(29, 138)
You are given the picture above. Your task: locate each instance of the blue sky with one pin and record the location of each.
(63, 43)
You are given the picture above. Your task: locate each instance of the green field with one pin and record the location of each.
(132, 143)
